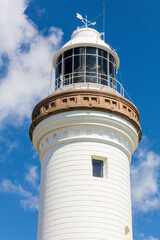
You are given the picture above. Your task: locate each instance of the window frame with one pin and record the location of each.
(104, 160)
(100, 171)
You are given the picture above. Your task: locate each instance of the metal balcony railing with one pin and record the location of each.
(89, 77)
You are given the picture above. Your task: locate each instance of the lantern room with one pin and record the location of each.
(87, 60)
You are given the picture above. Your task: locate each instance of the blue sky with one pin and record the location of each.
(30, 33)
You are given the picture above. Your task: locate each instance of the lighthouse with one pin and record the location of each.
(85, 133)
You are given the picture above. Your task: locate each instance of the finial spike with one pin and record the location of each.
(104, 12)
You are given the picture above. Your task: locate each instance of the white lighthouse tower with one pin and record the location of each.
(85, 133)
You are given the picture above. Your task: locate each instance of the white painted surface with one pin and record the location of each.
(73, 203)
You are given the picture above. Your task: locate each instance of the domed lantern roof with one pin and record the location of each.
(86, 37)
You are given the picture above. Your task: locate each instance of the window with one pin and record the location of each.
(79, 63)
(58, 70)
(68, 53)
(97, 168)
(86, 64)
(80, 50)
(91, 63)
(90, 50)
(111, 58)
(102, 53)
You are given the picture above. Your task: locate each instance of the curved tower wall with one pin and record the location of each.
(73, 203)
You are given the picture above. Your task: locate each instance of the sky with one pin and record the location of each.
(30, 34)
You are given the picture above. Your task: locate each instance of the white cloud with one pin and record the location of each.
(29, 54)
(8, 187)
(27, 199)
(7, 146)
(32, 176)
(31, 203)
(12, 145)
(142, 237)
(145, 180)
(152, 238)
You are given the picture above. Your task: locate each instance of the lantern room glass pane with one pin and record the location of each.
(78, 78)
(58, 83)
(91, 69)
(67, 79)
(59, 59)
(111, 58)
(102, 53)
(68, 53)
(90, 50)
(102, 65)
(91, 63)
(68, 65)
(80, 50)
(91, 77)
(97, 168)
(58, 70)
(79, 63)
(112, 69)
(103, 79)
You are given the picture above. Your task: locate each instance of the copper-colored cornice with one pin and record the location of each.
(85, 99)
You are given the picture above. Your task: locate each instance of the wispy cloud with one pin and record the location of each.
(32, 176)
(25, 59)
(145, 180)
(152, 238)
(141, 236)
(27, 199)
(7, 146)
(30, 203)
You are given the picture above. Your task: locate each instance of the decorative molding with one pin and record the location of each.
(54, 137)
(85, 99)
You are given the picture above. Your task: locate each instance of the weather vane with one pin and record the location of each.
(85, 20)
